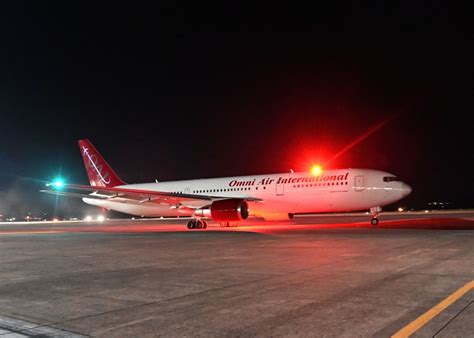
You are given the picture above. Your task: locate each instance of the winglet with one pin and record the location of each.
(99, 171)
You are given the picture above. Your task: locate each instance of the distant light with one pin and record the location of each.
(400, 209)
(316, 170)
(426, 211)
(55, 220)
(100, 218)
(58, 183)
(88, 218)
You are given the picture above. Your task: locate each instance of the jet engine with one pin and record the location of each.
(230, 210)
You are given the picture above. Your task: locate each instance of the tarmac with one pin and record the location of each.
(314, 276)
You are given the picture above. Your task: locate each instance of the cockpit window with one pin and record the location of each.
(390, 179)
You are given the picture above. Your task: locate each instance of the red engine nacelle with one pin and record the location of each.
(231, 210)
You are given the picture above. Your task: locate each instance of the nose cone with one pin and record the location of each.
(406, 189)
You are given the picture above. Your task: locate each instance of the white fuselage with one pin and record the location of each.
(286, 193)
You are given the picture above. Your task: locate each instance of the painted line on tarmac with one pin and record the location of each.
(12, 327)
(30, 232)
(434, 311)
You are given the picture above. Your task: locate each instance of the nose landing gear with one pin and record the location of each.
(375, 212)
(374, 221)
(197, 224)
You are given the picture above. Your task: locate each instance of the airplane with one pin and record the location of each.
(230, 200)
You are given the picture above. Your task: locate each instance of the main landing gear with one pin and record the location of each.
(197, 224)
(375, 212)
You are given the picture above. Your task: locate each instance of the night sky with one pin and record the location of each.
(179, 93)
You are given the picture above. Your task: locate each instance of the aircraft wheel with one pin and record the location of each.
(191, 225)
(374, 221)
(204, 224)
(199, 224)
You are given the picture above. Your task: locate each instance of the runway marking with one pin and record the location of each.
(433, 312)
(30, 232)
(12, 327)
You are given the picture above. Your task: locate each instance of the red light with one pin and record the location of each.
(316, 170)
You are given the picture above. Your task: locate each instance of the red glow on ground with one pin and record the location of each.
(255, 226)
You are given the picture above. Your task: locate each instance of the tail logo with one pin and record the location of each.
(93, 162)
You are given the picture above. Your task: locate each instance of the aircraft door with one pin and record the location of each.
(359, 183)
(280, 189)
(187, 190)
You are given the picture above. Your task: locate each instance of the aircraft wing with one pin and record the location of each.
(73, 194)
(140, 196)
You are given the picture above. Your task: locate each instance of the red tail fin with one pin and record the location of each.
(99, 172)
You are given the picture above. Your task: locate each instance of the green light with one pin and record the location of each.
(58, 183)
